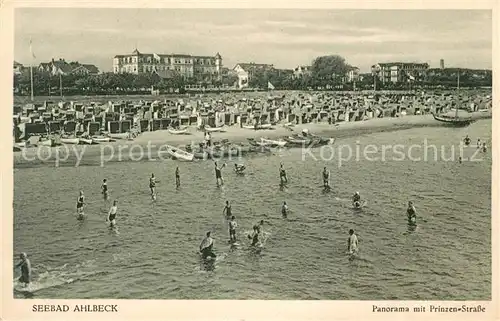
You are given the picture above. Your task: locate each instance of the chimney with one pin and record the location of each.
(441, 63)
(52, 59)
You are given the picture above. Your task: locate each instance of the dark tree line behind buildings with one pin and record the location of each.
(326, 72)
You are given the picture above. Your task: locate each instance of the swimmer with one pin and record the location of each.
(352, 242)
(467, 140)
(239, 168)
(484, 149)
(80, 202)
(284, 210)
(411, 212)
(356, 198)
(206, 247)
(152, 185)
(104, 188)
(177, 177)
(255, 236)
(112, 214)
(232, 229)
(227, 212)
(218, 174)
(478, 143)
(283, 177)
(326, 178)
(260, 226)
(25, 266)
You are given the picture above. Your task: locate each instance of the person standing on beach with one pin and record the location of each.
(112, 214)
(352, 243)
(326, 178)
(80, 202)
(104, 188)
(411, 212)
(25, 266)
(227, 212)
(152, 185)
(177, 177)
(283, 177)
(284, 210)
(208, 138)
(218, 174)
(232, 229)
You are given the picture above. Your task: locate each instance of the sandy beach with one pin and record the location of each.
(157, 139)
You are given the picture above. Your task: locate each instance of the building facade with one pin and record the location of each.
(352, 75)
(396, 72)
(186, 66)
(245, 72)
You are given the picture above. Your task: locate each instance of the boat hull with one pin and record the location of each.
(86, 141)
(70, 141)
(179, 154)
(101, 139)
(453, 122)
(178, 132)
(119, 136)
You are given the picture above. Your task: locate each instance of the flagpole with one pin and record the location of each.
(60, 85)
(31, 69)
(31, 80)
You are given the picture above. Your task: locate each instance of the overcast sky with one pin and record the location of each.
(285, 38)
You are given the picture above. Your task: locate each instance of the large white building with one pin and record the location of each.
(187, 66)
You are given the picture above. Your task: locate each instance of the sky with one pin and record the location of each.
(283, 37)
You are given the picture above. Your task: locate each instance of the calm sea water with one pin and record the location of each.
(154, 254)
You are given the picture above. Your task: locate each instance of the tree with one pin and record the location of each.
(327, 69)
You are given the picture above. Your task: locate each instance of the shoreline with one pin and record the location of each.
(68, 155)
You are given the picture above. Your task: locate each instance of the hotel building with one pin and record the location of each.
(186, 66)
(394, 72)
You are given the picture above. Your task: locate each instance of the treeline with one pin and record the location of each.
(326, 73)
(45, 83)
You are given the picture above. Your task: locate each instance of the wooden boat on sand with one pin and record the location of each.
(70, 140)
(119, 135)
(86, 141)
(454, 121)
(179, 153)
(178, 131)
(101, 139)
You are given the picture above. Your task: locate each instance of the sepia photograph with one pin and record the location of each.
(252, 154)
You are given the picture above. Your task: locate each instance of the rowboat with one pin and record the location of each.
(21, 144)
(453, 121)
(214, 129)
(119, 135)
(264, 126)
(86, 141)
(178, 131)
(179, 153)
(101, 139)
(47, 142)
(70, 140)
(271, 142)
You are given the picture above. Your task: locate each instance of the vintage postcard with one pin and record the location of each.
(249, 161)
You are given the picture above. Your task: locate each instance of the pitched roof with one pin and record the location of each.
(63, 66)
